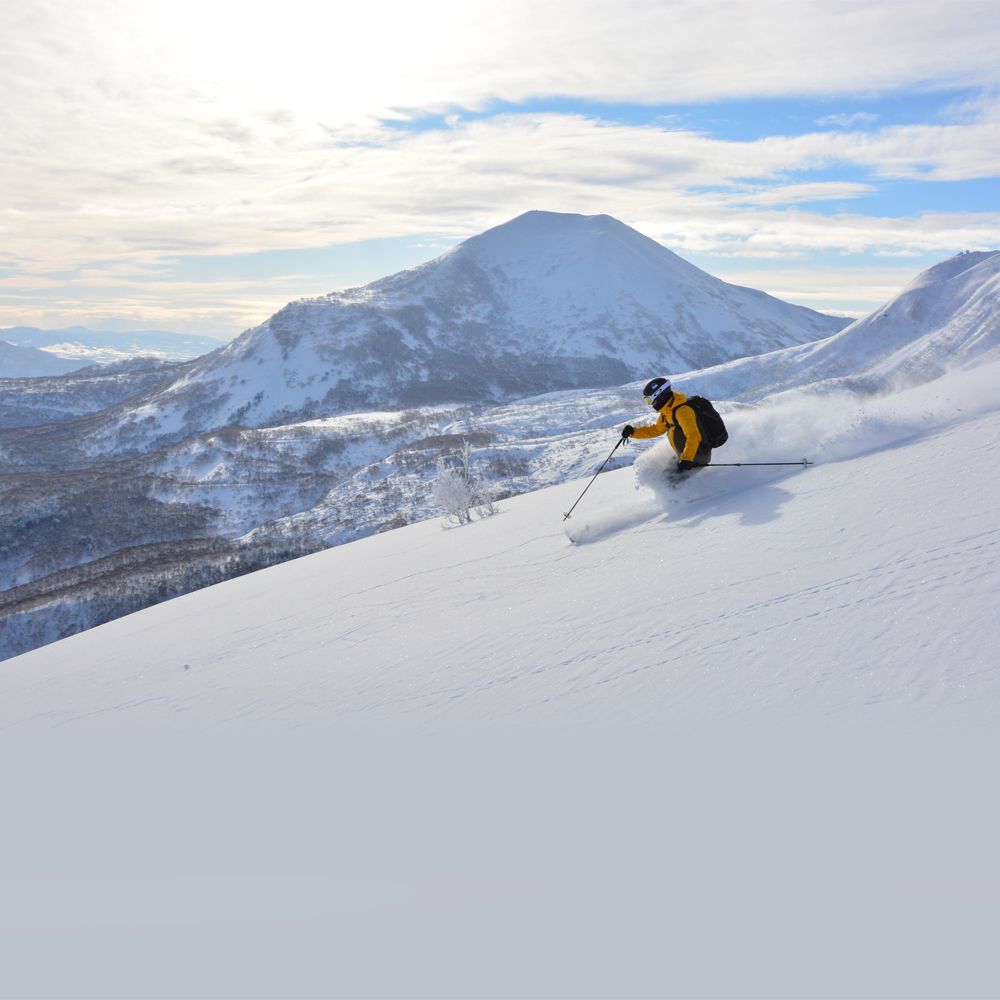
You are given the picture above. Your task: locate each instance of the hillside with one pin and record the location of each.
(32, 402)
(734, 740)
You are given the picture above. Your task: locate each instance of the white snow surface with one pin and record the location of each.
(732, 738)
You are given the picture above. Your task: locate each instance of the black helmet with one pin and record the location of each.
(656, 392)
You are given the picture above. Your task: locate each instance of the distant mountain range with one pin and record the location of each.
(28, 362)
(84, 346)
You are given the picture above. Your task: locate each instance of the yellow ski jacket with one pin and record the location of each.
(678, 422)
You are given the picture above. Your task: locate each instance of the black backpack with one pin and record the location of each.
(713, 429)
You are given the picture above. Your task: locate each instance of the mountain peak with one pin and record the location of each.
(551, 227)
(539, 218)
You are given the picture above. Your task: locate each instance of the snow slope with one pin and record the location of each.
(736, 738)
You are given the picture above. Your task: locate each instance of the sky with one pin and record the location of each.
(195, 166)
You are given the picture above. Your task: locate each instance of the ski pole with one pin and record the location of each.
(621, 441)
(720, 465)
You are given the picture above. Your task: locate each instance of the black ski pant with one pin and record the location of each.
(703, 456)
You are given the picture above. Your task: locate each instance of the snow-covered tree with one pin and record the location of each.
(452, 492)
(459, 493)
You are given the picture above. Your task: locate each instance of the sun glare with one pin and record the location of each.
(326, 61)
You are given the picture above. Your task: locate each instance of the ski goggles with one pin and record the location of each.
(663, 392)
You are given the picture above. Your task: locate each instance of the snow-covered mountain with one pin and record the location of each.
(131, 365)
(737, 740)
(541, 303)
(27, 362)
(947, 317)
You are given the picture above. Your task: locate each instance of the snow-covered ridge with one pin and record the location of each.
(947, 317)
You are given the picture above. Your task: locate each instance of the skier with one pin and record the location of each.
(678, 421)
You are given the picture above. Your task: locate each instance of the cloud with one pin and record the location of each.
(347, 61)
(289, 186)
(848, 119)
(796, 234)
(352, 65)
(137, 133)
(210, 307)
(818, 191)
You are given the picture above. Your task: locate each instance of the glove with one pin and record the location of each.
(683, 465)
(627, 431)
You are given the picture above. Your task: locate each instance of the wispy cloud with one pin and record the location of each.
(451, 181)
(141, 133)
(847, 119)
(819, 191)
